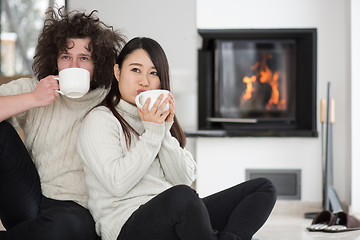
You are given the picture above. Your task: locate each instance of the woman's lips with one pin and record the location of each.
(140, 91)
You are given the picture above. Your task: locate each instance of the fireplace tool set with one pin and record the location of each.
(331, 200)
(332, 218)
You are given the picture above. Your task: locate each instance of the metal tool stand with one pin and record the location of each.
(331, 200)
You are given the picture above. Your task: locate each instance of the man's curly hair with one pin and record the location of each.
(105, 44)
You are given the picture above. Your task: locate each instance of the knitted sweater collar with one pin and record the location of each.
(128, 108)
(99, 92)
(93, 96)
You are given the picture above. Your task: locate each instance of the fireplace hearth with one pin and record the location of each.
(257, 82)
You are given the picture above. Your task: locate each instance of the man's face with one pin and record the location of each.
(76, 55)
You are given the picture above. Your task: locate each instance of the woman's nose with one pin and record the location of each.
(144, 81)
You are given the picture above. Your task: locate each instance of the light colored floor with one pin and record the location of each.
(287, 227)
(287, 222)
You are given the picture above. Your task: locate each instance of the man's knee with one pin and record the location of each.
(70, 224)
(6, 127)
(8, 134)
(5, 130)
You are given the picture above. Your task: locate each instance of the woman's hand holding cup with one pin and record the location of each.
(154, 105)
(170, 117)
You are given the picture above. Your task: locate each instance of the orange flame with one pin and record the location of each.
(271, 78)
(266, 75)
(249, 87)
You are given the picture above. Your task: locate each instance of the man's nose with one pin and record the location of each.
(74, 63)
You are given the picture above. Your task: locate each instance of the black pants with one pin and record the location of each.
(24, 211)
(178, 213)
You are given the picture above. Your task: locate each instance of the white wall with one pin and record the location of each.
(225, 159)
(355, 110)
(173, 25)
(222, 161)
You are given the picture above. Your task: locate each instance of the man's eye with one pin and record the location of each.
(84, 58)
(65, 57)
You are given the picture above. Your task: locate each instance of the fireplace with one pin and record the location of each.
(257, 82)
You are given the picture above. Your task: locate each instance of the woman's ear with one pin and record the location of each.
(117, 72)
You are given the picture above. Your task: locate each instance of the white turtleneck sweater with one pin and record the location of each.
(119, 179)
(50, 136)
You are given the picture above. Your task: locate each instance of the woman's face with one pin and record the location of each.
(76, 55)
(137, 74)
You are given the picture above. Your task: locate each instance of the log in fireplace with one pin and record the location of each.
(258, 82)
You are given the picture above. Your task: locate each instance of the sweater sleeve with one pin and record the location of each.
(103, 149)
(178, 164)
(16, 87)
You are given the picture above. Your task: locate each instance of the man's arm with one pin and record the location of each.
(43, 95)
(12, 105)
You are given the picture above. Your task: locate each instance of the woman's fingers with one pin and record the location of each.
(145, 107)
(156, 114)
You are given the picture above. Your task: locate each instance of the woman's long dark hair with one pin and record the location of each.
(158, 57)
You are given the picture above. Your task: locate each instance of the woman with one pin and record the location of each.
(138, 172)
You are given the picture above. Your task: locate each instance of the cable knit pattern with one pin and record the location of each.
(119, 179)
(51, 136)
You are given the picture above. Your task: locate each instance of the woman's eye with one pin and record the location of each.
(65, 57)
(154, 73)
(84, 58)
(135, 70)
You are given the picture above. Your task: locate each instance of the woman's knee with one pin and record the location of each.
(182, 192)
(267, 186)
(184, 197)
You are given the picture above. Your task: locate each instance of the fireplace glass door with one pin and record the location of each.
(254, 80)
(257, 82)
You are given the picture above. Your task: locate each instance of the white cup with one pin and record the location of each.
(74, 82)
(141, 98)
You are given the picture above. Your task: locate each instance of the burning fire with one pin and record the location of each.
(265, 76)
(249, 88)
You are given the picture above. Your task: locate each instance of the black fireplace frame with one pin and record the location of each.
(305, 124)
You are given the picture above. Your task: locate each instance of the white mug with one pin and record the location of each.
(141, 98)
(74, 82)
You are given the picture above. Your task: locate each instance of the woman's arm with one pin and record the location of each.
(178, 164)
(103, 149)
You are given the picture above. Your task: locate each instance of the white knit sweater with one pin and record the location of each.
(51, 136)
(119, 179)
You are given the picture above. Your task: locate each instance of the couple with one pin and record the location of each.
(127, 165)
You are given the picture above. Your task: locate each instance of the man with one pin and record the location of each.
(42, 187)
